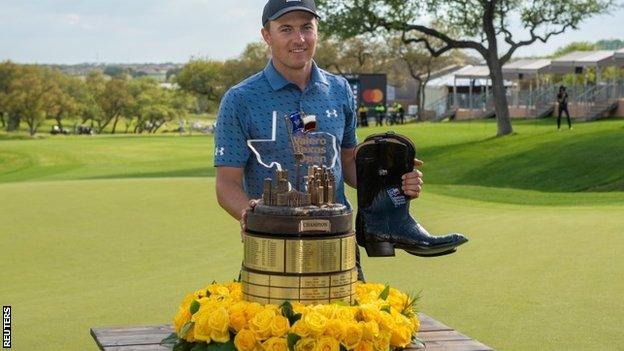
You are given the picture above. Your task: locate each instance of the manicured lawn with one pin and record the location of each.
(115, 230)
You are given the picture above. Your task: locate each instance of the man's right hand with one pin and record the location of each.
(243, 220)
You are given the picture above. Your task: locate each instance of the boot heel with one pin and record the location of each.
(379, 249)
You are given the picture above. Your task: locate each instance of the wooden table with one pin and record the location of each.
(437, 337)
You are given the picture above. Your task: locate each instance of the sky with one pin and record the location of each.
(137, 31)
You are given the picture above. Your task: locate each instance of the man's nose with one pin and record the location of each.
(300, 36)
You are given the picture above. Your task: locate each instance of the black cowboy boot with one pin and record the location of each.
(383, 222)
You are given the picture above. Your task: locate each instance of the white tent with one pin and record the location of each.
(578, 61)
(525, 68)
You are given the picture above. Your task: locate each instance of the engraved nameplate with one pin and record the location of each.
(315, 225)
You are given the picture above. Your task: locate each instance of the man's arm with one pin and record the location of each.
(347, 157)
(230, 193)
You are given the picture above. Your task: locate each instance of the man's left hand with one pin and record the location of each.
(412, 181)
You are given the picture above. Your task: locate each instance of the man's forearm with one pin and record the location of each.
(232, 198)
(349, 173)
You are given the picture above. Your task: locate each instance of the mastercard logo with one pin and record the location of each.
(372, 96)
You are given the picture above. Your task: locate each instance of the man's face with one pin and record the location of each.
(292, 39)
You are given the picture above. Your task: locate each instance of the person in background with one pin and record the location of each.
(562, 100)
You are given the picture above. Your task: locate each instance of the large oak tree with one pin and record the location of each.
(480, 25)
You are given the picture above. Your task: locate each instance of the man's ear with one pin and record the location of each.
(266, 36)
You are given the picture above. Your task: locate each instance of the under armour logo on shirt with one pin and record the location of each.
(332, 113)
(219, 151)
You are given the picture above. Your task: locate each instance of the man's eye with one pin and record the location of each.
(286, 30)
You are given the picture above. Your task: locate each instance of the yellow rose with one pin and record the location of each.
(401, 336)
(201, 329)
(335, 328)
(218, 290)
(327, 343)
(236, 290)
(345, 313)
(252, 309)
(238, 321)
(245, 340)
(298, 307)
(305, 344)
(370, 330)
(219, 319)
(326, 310)
(279, 326)
(415, 323)
(260, 324)
(352, 335)
(184, 314)
(386, 322)
(369, 312)
(316, 322)
(397, 299)
(275, 344)
(301, 328)
(382, 342)
(365, 345)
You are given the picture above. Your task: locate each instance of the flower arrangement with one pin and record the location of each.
(216, 318)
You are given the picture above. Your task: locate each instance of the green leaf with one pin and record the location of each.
(294, 318)
(194, 306)
(292, 339)
(340, 303)
(185, 329)
(183, 345)
(287, 309)
(221, 346)
(200, 346)
(417, 342)
(342, 348)
(385, 308)
(170, 340)
(384, 294)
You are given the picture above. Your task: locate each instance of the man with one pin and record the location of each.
(562, 99)
(291, 82)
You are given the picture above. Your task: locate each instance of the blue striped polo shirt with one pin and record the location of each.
(247, 110)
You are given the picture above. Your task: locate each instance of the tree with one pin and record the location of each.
(8, 72)
(575, 46)
(202, 78)
(112, 98)
(476, 24)
(360, 54)
(253, 59)
(32, 96)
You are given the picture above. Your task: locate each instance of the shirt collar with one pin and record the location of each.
(277, 81)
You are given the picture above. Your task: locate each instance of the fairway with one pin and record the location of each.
(114, 230)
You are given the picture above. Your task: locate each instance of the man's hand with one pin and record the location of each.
(243, 220)
(412, 181)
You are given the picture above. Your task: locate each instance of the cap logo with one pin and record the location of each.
(293, 0)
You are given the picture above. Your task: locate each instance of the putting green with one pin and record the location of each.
(115, 230)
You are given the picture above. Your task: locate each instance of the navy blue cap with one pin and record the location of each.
(274, 9)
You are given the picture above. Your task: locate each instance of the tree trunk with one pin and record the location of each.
(13, 123)
(115, 124)
(58, 120)
(501, 108)
(2, 114)
(503, 123)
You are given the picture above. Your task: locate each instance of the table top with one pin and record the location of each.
(437, 337)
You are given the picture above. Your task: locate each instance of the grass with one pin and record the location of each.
(115, 230)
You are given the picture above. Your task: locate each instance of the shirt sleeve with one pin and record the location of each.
(349, 139)
(231, 133)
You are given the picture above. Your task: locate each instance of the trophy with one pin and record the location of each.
(299, 244)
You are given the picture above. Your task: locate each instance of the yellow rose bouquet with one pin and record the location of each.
(216, 318)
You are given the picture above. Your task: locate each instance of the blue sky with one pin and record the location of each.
(72, 31)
